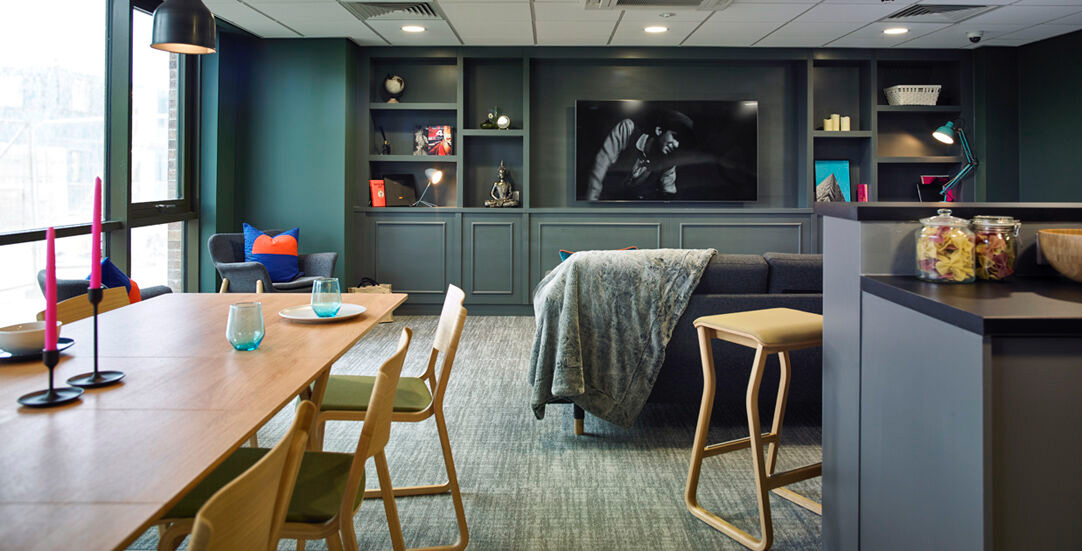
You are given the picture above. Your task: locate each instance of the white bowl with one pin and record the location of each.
(24, 338)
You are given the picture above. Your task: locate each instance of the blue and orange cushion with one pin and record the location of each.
(565, 254)
(278, 253)
(111, 277)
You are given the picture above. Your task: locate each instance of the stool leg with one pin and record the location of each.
(755, 432)
(703, 426)
(779, 411)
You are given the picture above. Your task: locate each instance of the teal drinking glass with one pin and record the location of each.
(245, 327)
(326, 297)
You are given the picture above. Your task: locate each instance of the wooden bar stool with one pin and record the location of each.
(775, 330)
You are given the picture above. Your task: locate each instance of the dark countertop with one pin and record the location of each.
(1020, 306)
(887, 211)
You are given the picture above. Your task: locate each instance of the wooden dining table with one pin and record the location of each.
(96, 473)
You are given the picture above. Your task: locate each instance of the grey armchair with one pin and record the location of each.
(227, 252)
(68, 288)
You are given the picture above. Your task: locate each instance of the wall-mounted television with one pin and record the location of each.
(631, 150)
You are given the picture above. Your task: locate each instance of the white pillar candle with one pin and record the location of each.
(827, 124)
(835, 121)
(845, 124)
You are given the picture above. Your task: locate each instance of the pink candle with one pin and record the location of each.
(50, 289)
(95, 238)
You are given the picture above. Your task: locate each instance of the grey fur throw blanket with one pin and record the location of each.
(603, 320)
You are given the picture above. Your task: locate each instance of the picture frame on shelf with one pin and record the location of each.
(832, 181)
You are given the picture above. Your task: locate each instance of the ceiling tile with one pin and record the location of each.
(573, 33)
(486, 11)
(805, 2)
(320, 20)
(1041, 32)
(970, 2)
(780, 13)
(954, 36)
(718, 32)
(1051, 2)
(849, 13)
(494, 33)
(571, 11)
(630, 33)
(248, 19)
(1021, 14)
(782, 40)
(833, 29)
(872, 36)
(437, 33)
(1075, 19)
(1003, 42)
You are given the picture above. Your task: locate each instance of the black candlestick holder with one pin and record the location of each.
(53, 396)
(96, 378)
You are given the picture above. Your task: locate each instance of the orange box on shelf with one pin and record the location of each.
(379, 195)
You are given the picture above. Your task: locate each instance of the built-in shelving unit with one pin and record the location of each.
(889, 146)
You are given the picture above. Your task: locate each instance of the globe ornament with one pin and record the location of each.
(394, 85)
(503, 122)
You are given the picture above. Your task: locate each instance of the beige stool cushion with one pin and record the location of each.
(773, 326)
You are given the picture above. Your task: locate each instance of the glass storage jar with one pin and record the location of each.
(997, 245)
(945, 249)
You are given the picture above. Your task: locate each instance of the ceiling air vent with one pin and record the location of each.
(711, 5)
(391, 10)
(936, 13)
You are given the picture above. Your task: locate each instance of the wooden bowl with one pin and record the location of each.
(1063, 249)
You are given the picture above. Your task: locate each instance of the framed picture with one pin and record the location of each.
(438, 140)
(832, 181)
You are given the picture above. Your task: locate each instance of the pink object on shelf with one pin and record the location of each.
(50, 289)
(95, 238)
(862, 193)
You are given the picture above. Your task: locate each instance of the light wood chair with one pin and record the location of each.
(330, 486)
(247, 513)
(418, 398)
(77, 308)
(771, 331)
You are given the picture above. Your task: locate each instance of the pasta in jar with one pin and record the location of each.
(945, 249)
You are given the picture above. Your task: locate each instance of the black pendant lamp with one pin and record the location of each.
(183, 27)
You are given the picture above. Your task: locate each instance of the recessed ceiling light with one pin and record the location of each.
(667, 14)
(413, 28)
(895, 30)
(654, 29)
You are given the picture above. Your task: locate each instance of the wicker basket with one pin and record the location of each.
(910, 94)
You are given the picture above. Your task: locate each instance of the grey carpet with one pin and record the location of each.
(530, 484)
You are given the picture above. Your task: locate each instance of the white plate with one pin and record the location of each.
(304, 313)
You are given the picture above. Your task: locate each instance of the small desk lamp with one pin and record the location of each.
(946, 134)
(434, 176)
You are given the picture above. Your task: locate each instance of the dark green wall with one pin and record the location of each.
(279, 140)
(994, 137)
(1050, 119)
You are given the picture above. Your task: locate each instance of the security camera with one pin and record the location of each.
(975, 36)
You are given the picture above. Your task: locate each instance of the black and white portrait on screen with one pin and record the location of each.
(629, 150)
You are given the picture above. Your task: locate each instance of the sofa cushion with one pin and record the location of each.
(795, 273)
(278, 253)
(734, 273)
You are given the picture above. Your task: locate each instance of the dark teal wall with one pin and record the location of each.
(279, 144)
(291, 151)
(1050, 119)
(224, 83)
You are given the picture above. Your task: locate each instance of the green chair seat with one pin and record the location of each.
(352, 392)
(316, 497)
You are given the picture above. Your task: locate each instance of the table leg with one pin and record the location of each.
(314, 438)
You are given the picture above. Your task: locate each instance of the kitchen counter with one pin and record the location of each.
(1018, 306)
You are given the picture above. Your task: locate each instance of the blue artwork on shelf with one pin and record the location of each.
(840, 171)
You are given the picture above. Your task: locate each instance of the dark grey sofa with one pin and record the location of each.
(734, 283)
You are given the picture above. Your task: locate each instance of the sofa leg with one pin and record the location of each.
(580, 417)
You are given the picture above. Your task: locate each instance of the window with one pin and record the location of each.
(154, 117)
(52, 112)
(19, 292)
(157, 255)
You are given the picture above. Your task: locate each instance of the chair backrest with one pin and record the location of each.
(77, 308)
(247, 513)
(448, 333)
(377, 422)
(65, 288)
(226, 247)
